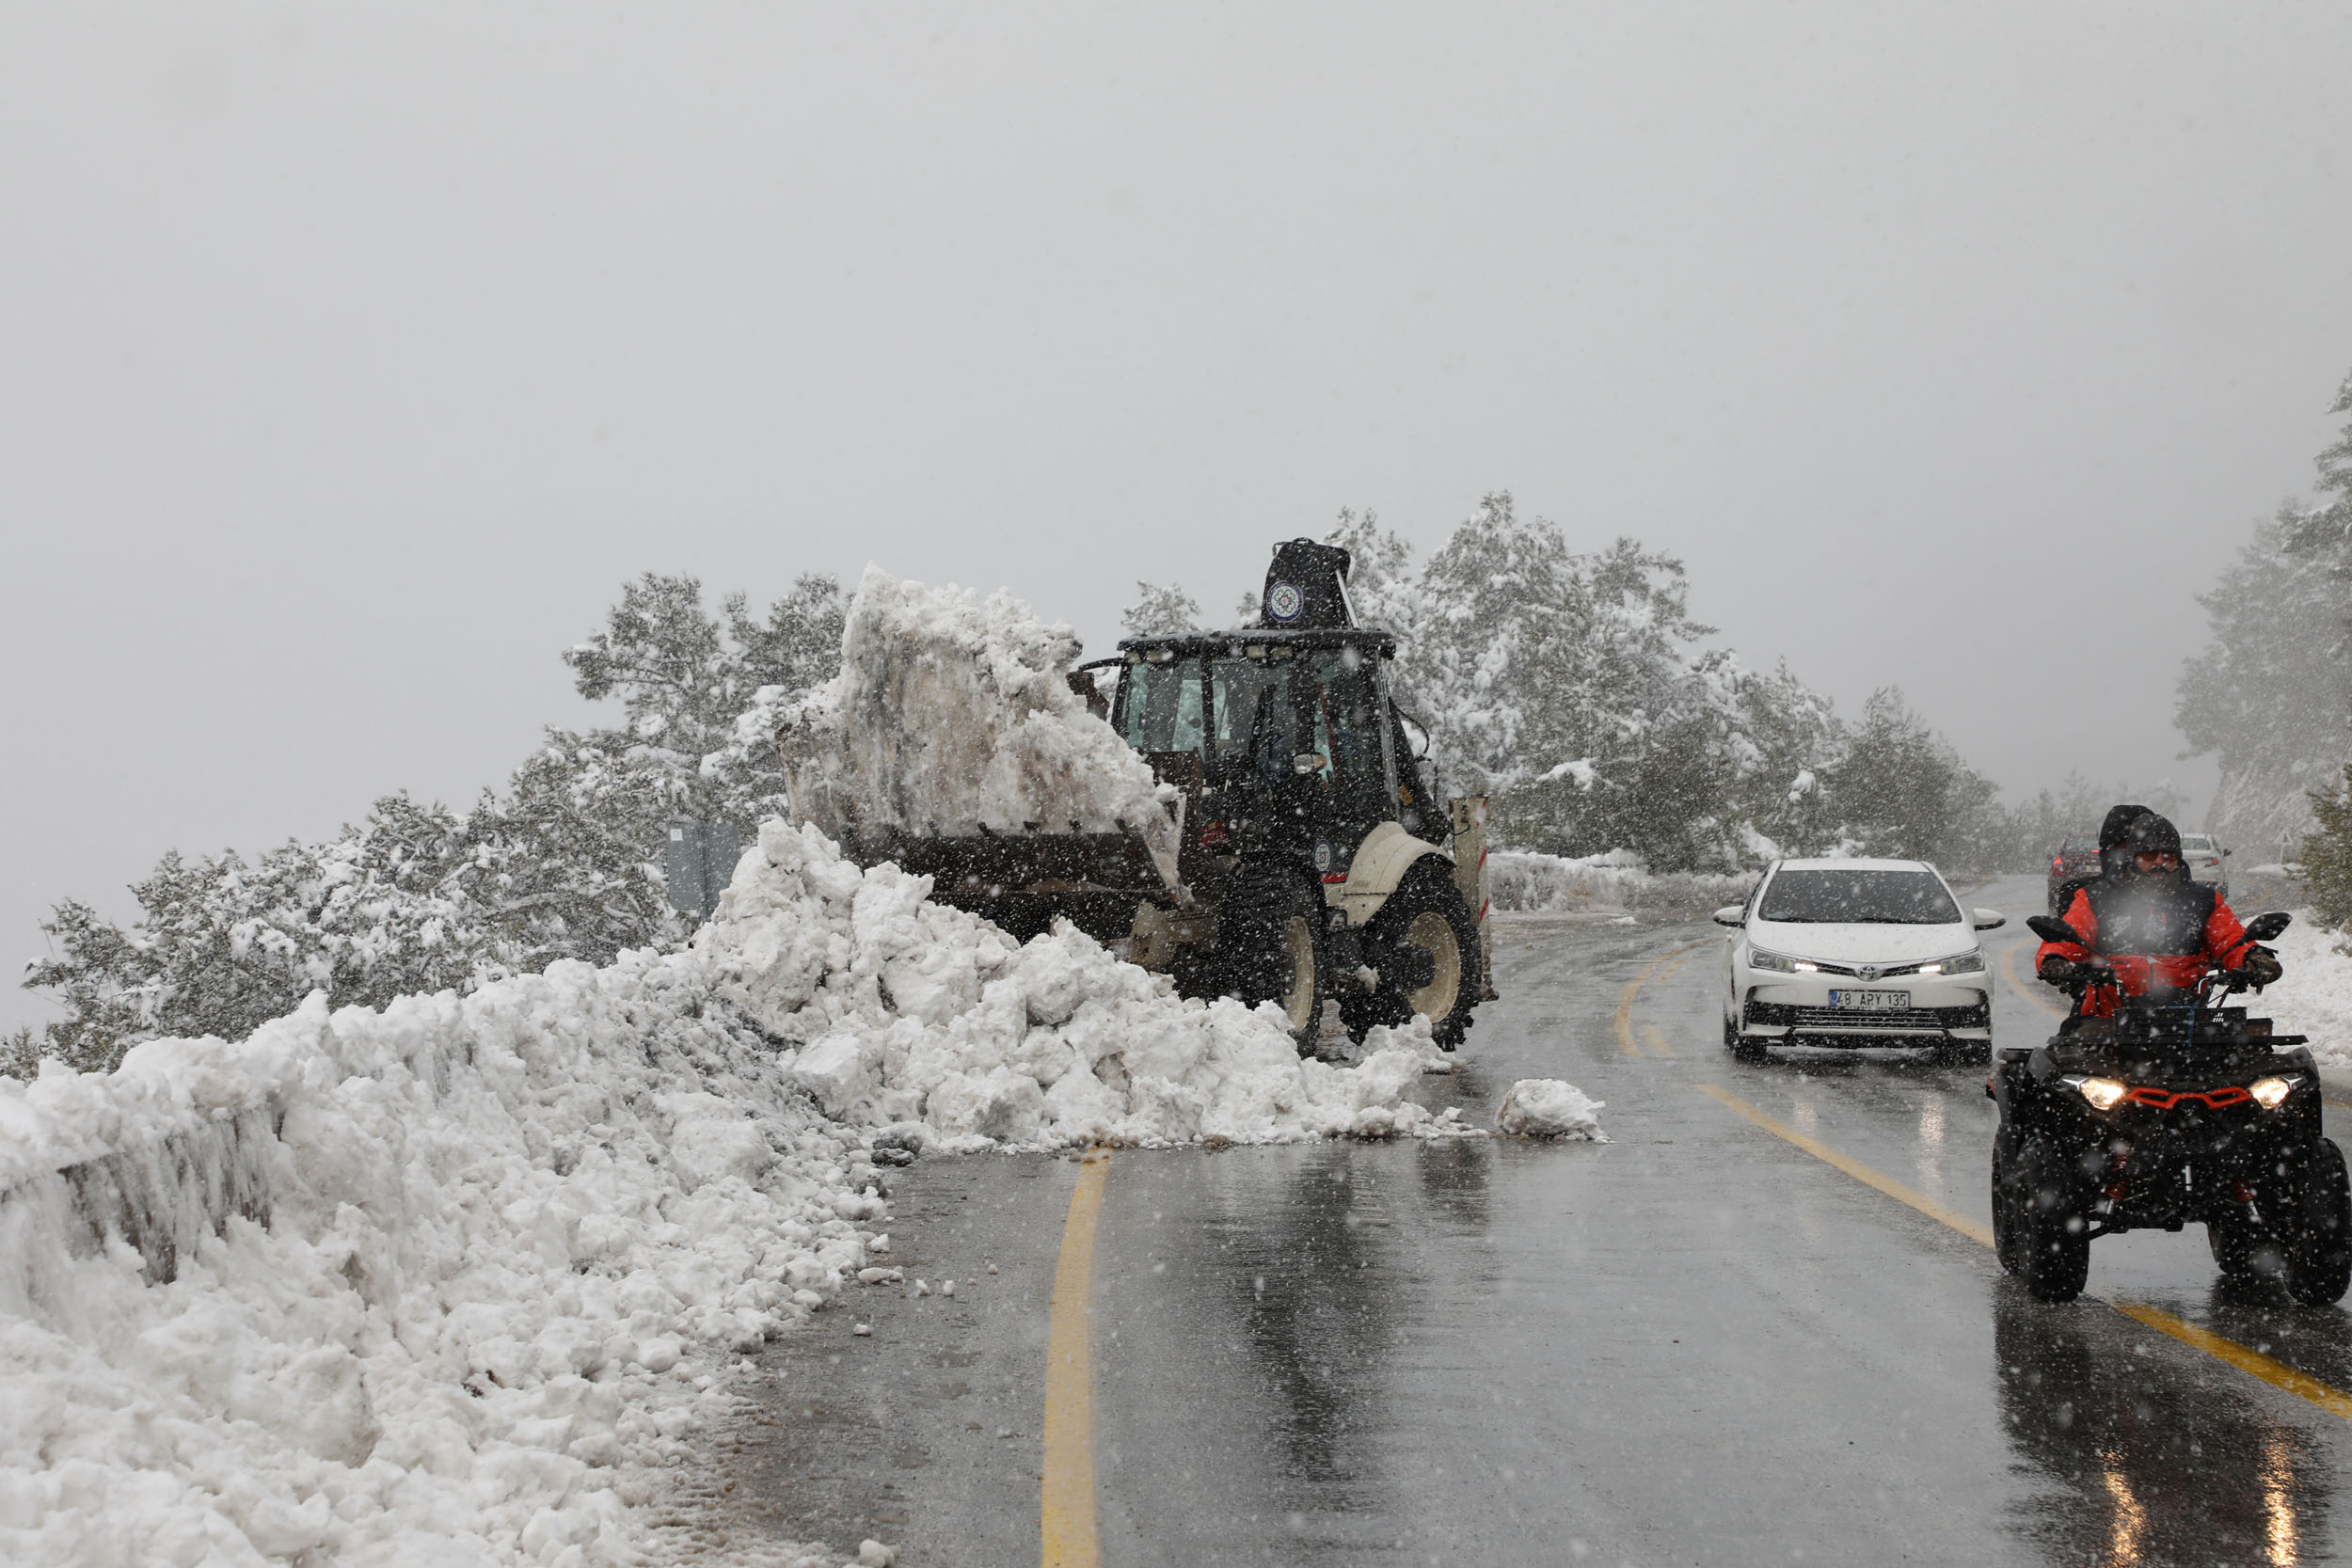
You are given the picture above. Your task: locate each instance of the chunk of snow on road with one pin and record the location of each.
(952, 713)
(1551, 1108)
(903, 1011)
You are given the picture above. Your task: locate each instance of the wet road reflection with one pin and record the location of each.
(2145, 1465)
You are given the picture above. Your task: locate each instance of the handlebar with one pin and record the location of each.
(2215, 982)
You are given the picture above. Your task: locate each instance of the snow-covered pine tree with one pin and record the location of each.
(1900, 789)
(2271, 691)
(1161, 610)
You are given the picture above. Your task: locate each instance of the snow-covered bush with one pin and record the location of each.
(2328, 855)
(564, 864)
(1530, 883)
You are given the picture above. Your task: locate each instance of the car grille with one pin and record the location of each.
(1853, 1021)
(1847, 1017)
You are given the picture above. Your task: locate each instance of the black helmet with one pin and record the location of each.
(2154, 835)
(2118, 827)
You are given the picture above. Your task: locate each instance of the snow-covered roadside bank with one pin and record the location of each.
(451, 1282)
(1523, 881)
(2316, 996)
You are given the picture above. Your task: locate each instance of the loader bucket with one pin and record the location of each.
(1023, 880)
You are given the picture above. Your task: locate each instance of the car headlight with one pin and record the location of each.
(2103, 1093)
(1780, 963)
(1964, 963)
(2271, 1092)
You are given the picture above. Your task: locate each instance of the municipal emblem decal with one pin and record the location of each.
(1323, 854)
(1283, 601)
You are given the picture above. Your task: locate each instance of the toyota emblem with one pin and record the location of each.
(1869, 972)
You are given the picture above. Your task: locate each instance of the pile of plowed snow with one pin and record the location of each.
(903, 1011)
(953, 712)
(450, 1283)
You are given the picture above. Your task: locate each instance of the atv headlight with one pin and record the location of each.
(2104, 1094)
(2271, 1092)
(1965, 963)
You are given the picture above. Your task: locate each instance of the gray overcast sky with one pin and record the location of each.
(355, 355)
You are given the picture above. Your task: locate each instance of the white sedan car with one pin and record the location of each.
(1856, 952)
(2202, 854)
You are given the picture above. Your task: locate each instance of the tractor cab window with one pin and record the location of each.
(1255, 723)
(1160, 705)
(1343, 707)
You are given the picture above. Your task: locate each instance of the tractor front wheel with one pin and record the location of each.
(1270, 946)
(1427, 951)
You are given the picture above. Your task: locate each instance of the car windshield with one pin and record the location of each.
(2197, 844)
(1859, 899)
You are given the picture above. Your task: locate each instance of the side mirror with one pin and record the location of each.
(1989, 920)
(2265, 927)
(1732, 914)
(2049, 927)
(2227, 853)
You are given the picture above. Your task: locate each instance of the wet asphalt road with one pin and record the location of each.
(1696, 1344)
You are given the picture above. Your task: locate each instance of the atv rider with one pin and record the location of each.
(2114, 857)
(2157, 930)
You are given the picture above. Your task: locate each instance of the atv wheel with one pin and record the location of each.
(2007, 1186)
(1427, 928)
(2241, 1249)
(1270, 945)
(2051, 1222)
(2318, 1239)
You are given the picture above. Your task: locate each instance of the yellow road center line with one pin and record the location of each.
(1852, 1167)
(2277, 1373)
(1658, 969)
(1656, 1041)
(2009, 961)
(1066, 1525)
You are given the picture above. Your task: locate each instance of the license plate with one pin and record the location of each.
(1871, 1001)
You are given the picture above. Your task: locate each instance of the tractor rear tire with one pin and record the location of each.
(1426, 921)
(1270, 947)
(2318, 1239)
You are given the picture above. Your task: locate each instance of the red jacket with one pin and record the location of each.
(2162, 934)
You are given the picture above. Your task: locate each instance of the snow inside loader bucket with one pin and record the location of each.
(952, 743)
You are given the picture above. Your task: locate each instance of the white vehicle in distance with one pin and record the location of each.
(2202, 854)
(1856, 952)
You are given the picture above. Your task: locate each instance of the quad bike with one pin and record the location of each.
(2175, 1110)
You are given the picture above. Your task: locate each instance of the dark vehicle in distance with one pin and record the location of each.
(2075, 861)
